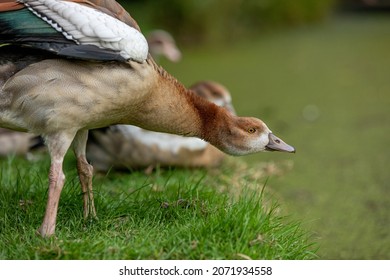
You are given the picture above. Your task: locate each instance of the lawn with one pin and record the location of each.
(325, 89)
(170, 214)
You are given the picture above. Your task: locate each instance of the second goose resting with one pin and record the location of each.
(49, 90)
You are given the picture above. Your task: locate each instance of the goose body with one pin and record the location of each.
(128, 146)
(61, 95)
(161, 43)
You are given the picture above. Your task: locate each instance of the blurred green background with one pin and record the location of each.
(317, 72)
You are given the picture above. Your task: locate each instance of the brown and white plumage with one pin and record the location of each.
(129, 147)
(61, 98)
(161, 43)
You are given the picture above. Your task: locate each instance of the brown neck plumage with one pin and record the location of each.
(192, 114)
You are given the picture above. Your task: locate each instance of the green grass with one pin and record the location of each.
(171, 214)
(340, 180)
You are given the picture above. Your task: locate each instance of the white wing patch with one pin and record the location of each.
(87, 26)
(164, 141)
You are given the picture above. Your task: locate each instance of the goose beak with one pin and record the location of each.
(172, 53)
(277, 144)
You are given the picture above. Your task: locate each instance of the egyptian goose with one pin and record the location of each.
(160, 42)
(129, 147)
(71, 66)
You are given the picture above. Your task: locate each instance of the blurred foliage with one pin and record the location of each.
(220, 20)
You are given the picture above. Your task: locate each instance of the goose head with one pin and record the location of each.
(161, 43)
(246, 135)
(242, 135)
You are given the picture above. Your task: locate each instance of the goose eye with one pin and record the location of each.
(252, 130)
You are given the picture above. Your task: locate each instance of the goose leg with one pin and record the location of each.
(85, 171)
(57, 144)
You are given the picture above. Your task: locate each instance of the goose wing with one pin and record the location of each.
(77, 29)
